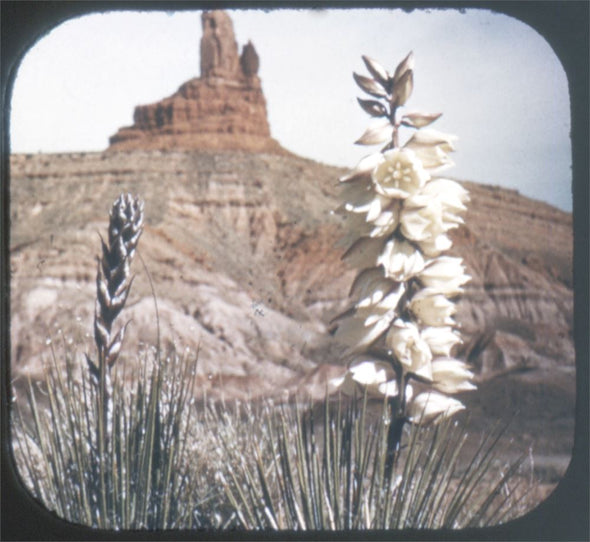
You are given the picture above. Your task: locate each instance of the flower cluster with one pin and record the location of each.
(401, 330)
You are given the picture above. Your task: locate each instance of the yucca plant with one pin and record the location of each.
(400, 329)
(110, 449)
(402, 470)
(329, 472)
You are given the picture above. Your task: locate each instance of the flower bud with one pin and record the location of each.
(417, 119)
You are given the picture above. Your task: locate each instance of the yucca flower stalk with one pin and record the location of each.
(113, 279)
(113, 282)
(400, 330)
(111, 451)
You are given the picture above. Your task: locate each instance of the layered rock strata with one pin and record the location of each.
(245, 256)
(264, 222)
(223, 109)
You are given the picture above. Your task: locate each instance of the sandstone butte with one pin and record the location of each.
(223, 109)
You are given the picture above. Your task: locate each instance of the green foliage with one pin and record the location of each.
(331, 474)
(170, 463)
(143, 476)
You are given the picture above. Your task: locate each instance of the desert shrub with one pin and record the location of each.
(101, 446)
(146, 477)
(328, 471)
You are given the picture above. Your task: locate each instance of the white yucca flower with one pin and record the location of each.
(410, 349)
(440, 340)
(399, 175)
(451, 375)
(401, 326)
(432, 148)
(364, 168)
(374, 376)
(445, 275)
(400, 260)
(386, 221)
(427, 407)
(370, 320)
(432, 308)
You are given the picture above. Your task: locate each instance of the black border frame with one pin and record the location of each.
(564, 515)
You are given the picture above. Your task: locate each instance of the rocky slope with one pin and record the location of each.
(244, 254)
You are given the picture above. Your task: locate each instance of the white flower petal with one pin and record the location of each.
(451, 192)
(388, 389)
(428, 407)
(431, 147)
(440, 340)
(451, 376)
(371, 372)
(400, 260)
(432, 308)
(400, 174)
(387, 220)
(377, 205)
(364, 167)
(431, 137)
(445, 275)
(369, 323)
(433, 247)
(368, 375)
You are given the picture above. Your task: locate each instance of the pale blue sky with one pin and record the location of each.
(498, 83)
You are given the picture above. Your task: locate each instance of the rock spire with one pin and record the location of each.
(223, 109)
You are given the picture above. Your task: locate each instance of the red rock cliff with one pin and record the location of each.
(224, 109)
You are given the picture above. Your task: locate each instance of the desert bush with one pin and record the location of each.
(147, 475)
(400, 334)
(108, 448)
(328, 471)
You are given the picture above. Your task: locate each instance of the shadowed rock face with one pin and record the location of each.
(246, 261)
(223, 109)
